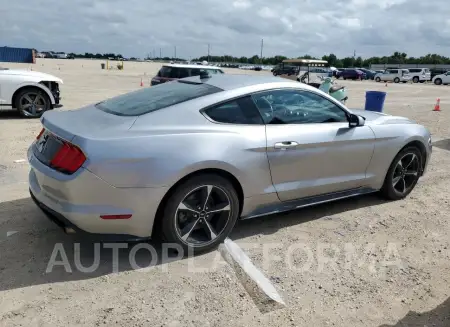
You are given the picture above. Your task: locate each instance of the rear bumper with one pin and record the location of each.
(70, 228)
(77, 201)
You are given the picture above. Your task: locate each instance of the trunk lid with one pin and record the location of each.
(85, 123)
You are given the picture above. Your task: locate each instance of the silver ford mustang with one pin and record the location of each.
(184, 160)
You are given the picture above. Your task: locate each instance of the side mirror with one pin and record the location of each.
(356, 120)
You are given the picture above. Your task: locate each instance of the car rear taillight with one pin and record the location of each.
(68, 159)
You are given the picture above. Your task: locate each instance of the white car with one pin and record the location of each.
(29, 92)
(442, 79)
(395, 75)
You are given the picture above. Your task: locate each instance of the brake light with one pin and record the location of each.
(40, 134)
(68, 159)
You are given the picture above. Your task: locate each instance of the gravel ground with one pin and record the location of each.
(398, 275)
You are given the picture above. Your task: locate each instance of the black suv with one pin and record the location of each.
(285, 70)
(170, 72)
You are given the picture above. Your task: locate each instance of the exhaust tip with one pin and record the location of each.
(69, 230)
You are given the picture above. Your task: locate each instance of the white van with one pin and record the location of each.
(420, 75)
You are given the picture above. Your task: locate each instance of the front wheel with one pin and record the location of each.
(403, 174)
(415, 79)
(378, 80)
(201, 213)
(438, 81)
(32, 102)
(397, 80)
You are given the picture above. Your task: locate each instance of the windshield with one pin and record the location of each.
(154, 98)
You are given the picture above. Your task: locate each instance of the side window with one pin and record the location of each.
(240, 111)
(165, 72)
(175, 72)
(195, 72)
(394, 71)
(297, 107)
(183, 72)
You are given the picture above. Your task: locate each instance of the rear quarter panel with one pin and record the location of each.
(160, 156)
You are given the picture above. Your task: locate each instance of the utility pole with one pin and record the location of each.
(262, 45)
(160, 53)
(208, 51)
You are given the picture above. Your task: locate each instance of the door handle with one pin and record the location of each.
(285, 145)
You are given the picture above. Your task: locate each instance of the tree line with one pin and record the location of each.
(333, 60)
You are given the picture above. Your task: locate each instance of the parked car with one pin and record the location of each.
(393, 75)
(420, 75)
(284, 70)
(351, 73)
(370, 74)
(337, 72)
(31, 93)
(186, 159)
(170, 72)
(437, 71)
(442, 79)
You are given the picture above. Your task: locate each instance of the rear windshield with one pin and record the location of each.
(154, 98)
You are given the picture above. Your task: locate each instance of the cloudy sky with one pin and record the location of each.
(289, 27)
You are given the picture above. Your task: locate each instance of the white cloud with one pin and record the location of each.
(289, 27)
(241, 4)
(266, 12)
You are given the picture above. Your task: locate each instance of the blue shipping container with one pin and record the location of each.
(21, 55)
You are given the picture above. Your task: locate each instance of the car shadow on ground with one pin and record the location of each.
(438, 317)
(25, 256)
(9, 114)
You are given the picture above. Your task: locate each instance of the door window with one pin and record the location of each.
(297, 107)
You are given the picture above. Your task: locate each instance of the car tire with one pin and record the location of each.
(415, 79)
(401, 178)
(25, 102)
(378, 80)
(396, 80)
(438, 81)
(180, 223)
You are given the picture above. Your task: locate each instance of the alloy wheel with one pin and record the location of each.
(202, 215)
(406, 173)
(32, 103)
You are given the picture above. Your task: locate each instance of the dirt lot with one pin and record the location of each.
(412, 234)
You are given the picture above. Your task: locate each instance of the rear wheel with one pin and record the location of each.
(378, 79)
(416, 79)
(403, 174)
(397, 80)
(32, 102)
(200, 213)
(438, 81)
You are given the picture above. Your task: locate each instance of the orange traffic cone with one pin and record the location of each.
(437, 106)
(142, 83)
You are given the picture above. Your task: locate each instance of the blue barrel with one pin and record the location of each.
(375, 101)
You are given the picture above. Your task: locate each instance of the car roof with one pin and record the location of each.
(230, 82)
(190, 66)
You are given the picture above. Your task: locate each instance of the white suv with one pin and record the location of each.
(420, 75)
(395, 74)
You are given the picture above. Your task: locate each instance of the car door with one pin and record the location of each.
(389, 75)
(310, 147)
